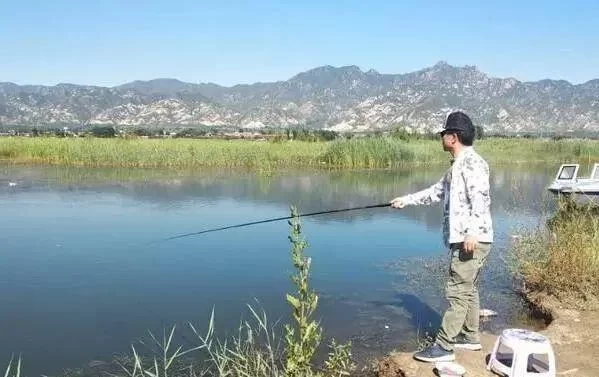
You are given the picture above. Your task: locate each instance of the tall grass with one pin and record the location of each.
(253, 351)
(369, 152)
(380, 152)
(539, 150)
(180, 153)
(561, 258)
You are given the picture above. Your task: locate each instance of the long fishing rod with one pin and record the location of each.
(276, 219)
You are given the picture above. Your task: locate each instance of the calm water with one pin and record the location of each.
(80, 278)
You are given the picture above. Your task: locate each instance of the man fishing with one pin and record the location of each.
(467, 232)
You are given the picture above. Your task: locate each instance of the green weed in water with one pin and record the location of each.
(304, 336)
(13, 371)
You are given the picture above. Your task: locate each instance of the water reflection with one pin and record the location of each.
(520, 189)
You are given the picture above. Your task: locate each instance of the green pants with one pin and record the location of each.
(461, 291)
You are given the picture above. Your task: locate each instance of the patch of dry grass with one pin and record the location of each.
(561, 258)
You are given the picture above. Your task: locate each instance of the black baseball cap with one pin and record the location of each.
(457, 121)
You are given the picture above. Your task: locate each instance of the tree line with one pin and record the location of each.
(270, 133)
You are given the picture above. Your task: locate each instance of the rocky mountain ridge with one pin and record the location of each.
(344, 99)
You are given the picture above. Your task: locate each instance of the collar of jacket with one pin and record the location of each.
(463, 152)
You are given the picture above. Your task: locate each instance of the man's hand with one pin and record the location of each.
(398, 203)
(470, 244)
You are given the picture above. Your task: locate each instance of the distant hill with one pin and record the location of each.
(337, 98)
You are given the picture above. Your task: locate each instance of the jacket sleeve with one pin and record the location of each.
(428, 196)
(476, 179)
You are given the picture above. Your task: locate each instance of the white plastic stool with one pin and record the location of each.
(525, 346)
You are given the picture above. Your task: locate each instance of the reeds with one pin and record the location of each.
(176, 153)
(367, 152)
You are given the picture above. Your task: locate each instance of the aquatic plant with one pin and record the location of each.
(13, 371)
(302, 340)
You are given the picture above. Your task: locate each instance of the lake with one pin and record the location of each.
(82, 278)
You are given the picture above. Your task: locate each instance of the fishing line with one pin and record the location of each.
(275, 219)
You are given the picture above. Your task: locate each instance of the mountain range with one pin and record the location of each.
(344, 99)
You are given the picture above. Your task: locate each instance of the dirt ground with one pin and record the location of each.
(574, 336)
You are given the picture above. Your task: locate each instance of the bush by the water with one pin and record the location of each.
(561, 258)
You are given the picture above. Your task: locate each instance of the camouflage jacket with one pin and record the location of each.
(464, 189)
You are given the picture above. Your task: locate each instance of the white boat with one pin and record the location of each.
(567, 181)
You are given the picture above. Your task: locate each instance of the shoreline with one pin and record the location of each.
(574, 336)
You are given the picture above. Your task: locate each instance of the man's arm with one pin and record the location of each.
(476, 178)
(428, 196)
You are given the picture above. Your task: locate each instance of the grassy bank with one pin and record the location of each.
(561, 258)
(538, 150)
(371, 152)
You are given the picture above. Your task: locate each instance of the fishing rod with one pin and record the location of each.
(277, 219)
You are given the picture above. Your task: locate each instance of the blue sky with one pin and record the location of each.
(109, 42)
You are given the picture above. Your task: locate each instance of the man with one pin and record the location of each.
(467, 232)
